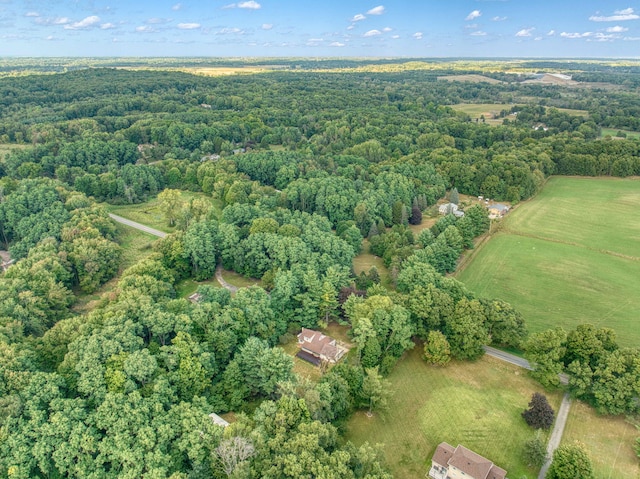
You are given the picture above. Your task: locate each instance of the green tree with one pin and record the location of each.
(170, 204)
(436, 349)
(375, 391)
(540, 414)
(535, 451)
(545, 351)
(571, 461)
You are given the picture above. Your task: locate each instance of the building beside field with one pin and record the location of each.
(448, 209)
(462, 463)
(316, 347)
(498, 210)
(218, 420)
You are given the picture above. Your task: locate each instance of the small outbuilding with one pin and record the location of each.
(218, 420)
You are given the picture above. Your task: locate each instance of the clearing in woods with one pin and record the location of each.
(569, 256)
(477, 404)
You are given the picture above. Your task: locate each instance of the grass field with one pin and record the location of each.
(474, 404)
(136, 246)
(609, 441)
(569, 256)
(491, 110)
(149, 213)
(365, 260)
(614, 133)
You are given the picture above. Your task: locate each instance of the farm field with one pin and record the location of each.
(476, 404)
(491, 110)
(609, 441)
(569, 256)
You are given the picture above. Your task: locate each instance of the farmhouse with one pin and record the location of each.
(458, 463)
(448, 208)
(315, 347)
(498, 210)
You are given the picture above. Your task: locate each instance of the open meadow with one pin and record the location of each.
(476, 404)
(569, 256)
(608, 439)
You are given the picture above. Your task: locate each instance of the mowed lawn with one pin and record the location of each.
(474, 404)
(569, 256)
(608, 439)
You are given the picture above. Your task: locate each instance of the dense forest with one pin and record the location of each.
(305, 165)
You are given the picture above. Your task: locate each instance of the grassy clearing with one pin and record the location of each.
(604, 132)
(489, 111)
(238, 280)
(609, 441)
(300, 367)
(472, 78)
(569, 256)
(475, 404)
(136, 246)
(365, 260)
(149, 213)
(187, 287)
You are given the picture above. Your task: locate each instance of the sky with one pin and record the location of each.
(321, 28)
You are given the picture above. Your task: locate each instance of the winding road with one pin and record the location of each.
(162, 234)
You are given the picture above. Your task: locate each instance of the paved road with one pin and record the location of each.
(510, 358)
(556, 434)
(518, 361)
(138, 226)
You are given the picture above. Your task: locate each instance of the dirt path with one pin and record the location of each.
(556, 434)
(223, 283)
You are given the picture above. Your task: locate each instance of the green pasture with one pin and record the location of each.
(608, 439)
(569, 256)
(613, 132)
(149, 213)
(365, 260)
(476, 404)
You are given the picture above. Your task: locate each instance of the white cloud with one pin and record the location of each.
(379, 10)
(618, 16)
(473, 15)
(176, 7)
(32, 14)
(617, 29)
(603, 37)
(499, 19)
(551, 33)
(50, 38)
(52, 21)
(537, 39)
(267, 26)
(631, 39)
(337, 44)
(372, 33)
(85, 23)
(387, 29)
(575, 34)
(251, 5)
(144, 29)
(351, 27)
(358, 17)
(228, 31)
(395, 37)
(157, 21)
(188, 26)
(417, 35)
(525, 32)
(231, 5)
(107, 26)
(479, 33)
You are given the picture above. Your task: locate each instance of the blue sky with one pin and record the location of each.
(350, 28)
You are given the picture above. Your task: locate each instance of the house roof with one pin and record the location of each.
(448, 206)
(443, 453)
(218, 420)
(318, 343)
(499, 207)
(467, 461)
